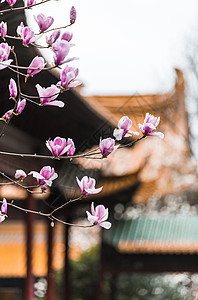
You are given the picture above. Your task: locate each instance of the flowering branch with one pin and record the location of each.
(47, 215)
(11, 9)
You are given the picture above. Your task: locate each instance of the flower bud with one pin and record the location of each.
(72, 15)
(13, 88)
(20, 106)
(67, 36)
(3, 29)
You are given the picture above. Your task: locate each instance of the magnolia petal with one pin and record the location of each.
(92, 209)
(101, 211)
(4, 206)
(117, 133)
(36, 175)
(20, 173)
(74, 83)
(2, 218)
(106, 225)
(48, 182)
(105, 215)
(80, 184)
(54, 176)
(93, 191)
(91, 219)
(127, 134)
(65, 150)
(159, 134)
(5, 64)
(39, 90)
(54, 103)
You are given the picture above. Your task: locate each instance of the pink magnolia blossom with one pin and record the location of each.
(107, 146)
(72, 148)
(35, 66)
(27, 35)
(72, 15)
(30, 2)
(2, 218)
(20, 174)
(87, 186)
(45, 177)
(4, 207)
(20, 106)
(3, 211)
(11, 2)
(4, 54)
(3, 29)
(53, 37)
(98, 216)
(47, 95)
(58, 146)
(61, 49)
(20, 28)
(150, 124)
(123, 129)
(7, 115)
(43, 22)
(67, 36)
(13, 88)
(68, 78)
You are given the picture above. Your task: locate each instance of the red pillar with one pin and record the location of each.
(66, 281)
(50, 274)
(29, 281)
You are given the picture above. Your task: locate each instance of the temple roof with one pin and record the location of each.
(160, 234)
(158, 167)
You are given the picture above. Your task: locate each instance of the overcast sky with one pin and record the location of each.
(128, 46)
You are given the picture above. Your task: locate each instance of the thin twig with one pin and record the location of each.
(21, 8)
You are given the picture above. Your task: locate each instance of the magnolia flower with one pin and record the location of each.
(7, 115)
(61, 50)
(20, 174)
(20, 106)
(72, 15)
(107, 146)
(87, 186)
(36, 66)
(20, 28)
(27, 35)
(68, 78)
(72, 148)
(67, 36)
(4, 54)
(30, 2)
(13, 88)
(150, 124)
(58, 146)
(98, 216)
(11, 2)
(4, 207)
(3, 211)
(53, 37)
(47, 95)
(45, 177)
(3, 29)
(43, 22)
(123, 129)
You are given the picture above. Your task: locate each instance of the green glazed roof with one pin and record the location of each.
(173, 233)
